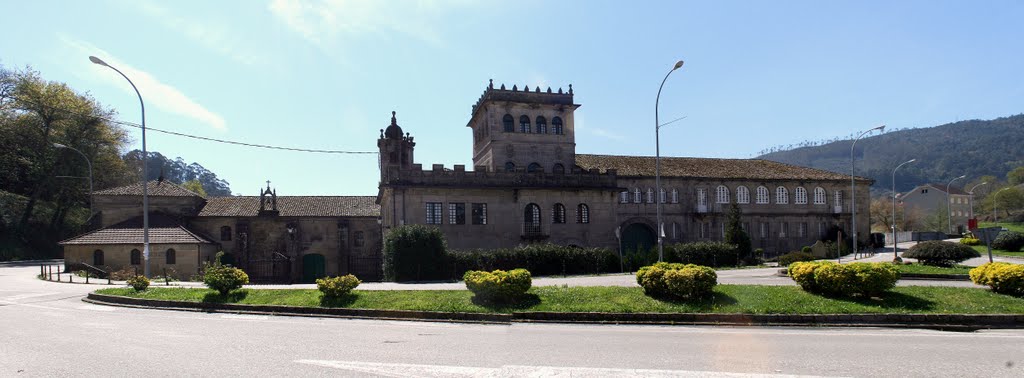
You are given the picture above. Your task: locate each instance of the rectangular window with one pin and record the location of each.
(746, 227)
(456, 213)
(357, 241)
(624, 197)
(433, 213)
(783, 229)
(703, 230)
(802, 231)
(764, 230)
(479, 213)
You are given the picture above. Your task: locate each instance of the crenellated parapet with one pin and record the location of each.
(525, 95)
(439, 176)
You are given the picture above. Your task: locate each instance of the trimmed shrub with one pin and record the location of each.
(703, 253)
(687, 281)
(539, 259)
(1010, 241)
(139, 283)
(827, 277)
(792, 257)
(224, 278)
(970, 241)
(1003, 278)
(336, 287)
(807, 249)
(940, 253)
(414, 252)
(498, 285)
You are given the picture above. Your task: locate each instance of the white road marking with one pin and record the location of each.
(245, 317)
(93, 307)
(413, 370)
(15, 298)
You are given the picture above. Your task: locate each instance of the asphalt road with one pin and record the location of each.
(46, 330)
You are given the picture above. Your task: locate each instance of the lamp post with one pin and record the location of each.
(853, 186)
(949, 212)
(145, 173)
(995, 205)
(657, 160)
(894, 240)
(971, 192)
(89, 163)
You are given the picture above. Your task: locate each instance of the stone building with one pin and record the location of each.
(528, 184)
(274, 239)
(933, 199)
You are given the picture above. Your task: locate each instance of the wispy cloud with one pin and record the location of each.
(326, 22)
(162, 96)
(211, 35)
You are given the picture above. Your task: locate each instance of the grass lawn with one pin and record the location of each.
(983, 250)
(747, 299)
(1019, 227)
(925, 269)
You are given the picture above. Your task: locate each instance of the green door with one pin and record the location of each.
(637, 238)
(313, 267)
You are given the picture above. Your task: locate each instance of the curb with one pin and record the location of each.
(960, 322)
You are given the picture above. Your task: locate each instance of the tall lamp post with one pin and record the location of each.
(853, 186)
(657, 160)
(995, 205)
(949, 212)
(894, 240)
(89, 163)
(145, 173)
(971, 192)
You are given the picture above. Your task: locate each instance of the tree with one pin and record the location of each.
(1016, 176)
(881, 214)
(734, 234)
(195, 186)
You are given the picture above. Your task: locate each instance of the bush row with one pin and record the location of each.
(686, 281)
(793, 257)
(828, 277)
(940, 253)
(499, 285)
(1010, 241)
(714, 254)
(967, 240)
(1003, 278)
(539, 259)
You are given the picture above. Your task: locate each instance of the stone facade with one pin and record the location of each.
(931, 199)
(519, 165)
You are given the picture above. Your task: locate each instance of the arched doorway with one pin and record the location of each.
(313, 267)
(638, 237)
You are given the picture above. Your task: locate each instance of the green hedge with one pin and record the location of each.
(686, 281)
(793, 257)
(224, 278)
(336, 287)
(415, 252)
(828, 277)
(1004, 278)
(940, 253)
(1010, 241)
(498, 285)
(539, 259)
(714, 254)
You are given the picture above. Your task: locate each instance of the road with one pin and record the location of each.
(48, 331)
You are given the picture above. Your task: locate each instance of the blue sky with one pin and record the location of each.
(327, 74)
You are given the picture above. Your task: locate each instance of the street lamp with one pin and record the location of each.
(657, 160)
(894, 240)
(995, 205)
(145, 173)
(971, 192)
(853, 186)
(58, 145)
(949, 213)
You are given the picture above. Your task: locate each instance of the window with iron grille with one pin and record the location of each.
(582, 213)
(524, 124)
(456, 213)
(531, 219)
(433, 213)
(556, 126)
(558, 213)
(509, 123)
(542, 125)
(480, 213)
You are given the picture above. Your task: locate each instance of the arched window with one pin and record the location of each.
(533, 167)
(624, 196)
(742, 194)
(722, 194)
(839, 199)
(558, 213)
(136, 257)
(225, 233)
(542, 125)
(556, 125)
(762, 195)
(509, 123)
(172, 257)
(531, 219)
(524, 124)
(781, 195)
(819, 196)
(558, 169)
(97, 258)
(637, 198)
(650, 195)
(582, 213)
(510, 167)
(801, 196)
(661, 195)
(675, 195)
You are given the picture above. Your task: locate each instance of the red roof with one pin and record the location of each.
(162, 230)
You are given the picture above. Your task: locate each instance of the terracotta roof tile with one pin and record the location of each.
(753, 169)
(162, 230)
(155, 188)
(294, 206)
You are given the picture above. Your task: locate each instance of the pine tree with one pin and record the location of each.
(734, 234)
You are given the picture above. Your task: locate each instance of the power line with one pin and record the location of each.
(225, 141)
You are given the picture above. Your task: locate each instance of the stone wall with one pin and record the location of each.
(188, 257)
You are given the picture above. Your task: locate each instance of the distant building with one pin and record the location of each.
(929, 199)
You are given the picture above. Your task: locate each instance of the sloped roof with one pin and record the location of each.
(740, 169)
(294, 206)
(155, 188)
(162, 230)
(942, 188)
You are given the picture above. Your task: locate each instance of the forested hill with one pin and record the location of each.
(974, 148)
(178, 172)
